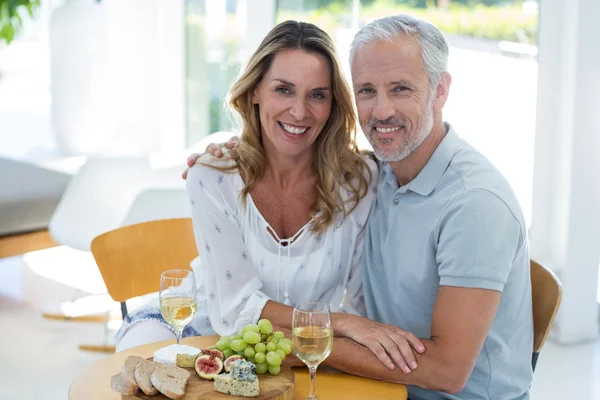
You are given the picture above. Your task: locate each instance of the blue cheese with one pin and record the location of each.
(245, 388)
(223, 383)
(226, 384)
(242, 370)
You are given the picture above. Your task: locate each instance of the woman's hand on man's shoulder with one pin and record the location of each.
(216, 150)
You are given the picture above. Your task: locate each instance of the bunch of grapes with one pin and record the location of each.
(259, 345)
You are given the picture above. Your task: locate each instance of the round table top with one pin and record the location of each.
(94, 383)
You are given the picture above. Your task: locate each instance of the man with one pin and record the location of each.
(446, 254)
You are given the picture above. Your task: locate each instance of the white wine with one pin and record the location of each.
(178, 311)
(312, 344)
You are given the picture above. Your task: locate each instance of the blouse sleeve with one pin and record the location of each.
(354, 301)
(232, 283)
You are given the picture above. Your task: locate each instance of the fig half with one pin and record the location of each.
(213, 352)
(208, 366)
(229, 360)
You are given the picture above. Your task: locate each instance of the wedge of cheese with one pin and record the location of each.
(242, 370)
(185, 360)
(168, 355)
(226, 384)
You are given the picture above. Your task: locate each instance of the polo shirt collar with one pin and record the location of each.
(426, 181)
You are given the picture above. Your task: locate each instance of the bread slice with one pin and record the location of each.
(170, 381)
(142, 374)
(120, 385)
(128, 369)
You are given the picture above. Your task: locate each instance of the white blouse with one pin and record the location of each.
(241, 266)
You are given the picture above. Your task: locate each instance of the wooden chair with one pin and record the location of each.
(132, 258)
(546, 291)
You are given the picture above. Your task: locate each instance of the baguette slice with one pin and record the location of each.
(170, 381)
(120, 385)
(128, 369)
(142, 374)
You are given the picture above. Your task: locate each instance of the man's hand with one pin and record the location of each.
(292, 361)
(212, 149)
(383, 340)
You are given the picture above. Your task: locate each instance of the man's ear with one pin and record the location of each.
(441, 92)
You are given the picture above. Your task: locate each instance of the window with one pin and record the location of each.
(213, 45)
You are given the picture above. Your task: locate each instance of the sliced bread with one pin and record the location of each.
(128, 369)
(142, 374)
(120, 385)
(170, 381)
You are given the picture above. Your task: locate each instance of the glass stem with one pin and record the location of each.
(179, 334)
(312, 394)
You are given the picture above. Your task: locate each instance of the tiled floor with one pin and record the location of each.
(39, 358)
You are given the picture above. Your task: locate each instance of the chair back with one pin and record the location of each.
(546, 291)
(132, 258)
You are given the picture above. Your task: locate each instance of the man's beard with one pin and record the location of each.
(411, 141)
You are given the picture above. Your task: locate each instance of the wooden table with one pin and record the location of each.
(94, 383)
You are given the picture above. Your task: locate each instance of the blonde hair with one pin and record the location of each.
(337, 161)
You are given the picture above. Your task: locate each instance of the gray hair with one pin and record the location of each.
(434, 48)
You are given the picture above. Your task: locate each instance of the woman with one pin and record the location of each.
(281, 221)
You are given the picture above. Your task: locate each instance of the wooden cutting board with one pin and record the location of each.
(272, 387)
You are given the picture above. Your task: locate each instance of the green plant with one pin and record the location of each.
(12, 13)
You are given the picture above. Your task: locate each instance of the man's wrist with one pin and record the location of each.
(339, 323)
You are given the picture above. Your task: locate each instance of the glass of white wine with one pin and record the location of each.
(312, 337)
(178, 298)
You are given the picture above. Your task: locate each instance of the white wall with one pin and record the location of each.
(565, 230)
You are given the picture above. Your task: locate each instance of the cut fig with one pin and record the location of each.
(213, 352)
(208, 366)
(230, 360)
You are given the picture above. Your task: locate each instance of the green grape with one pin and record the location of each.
(223, 344)
(235, 337)
(285, 346)
(280, 353)
(260, 348)
(275, 340)
(279, 335)
(260, 358)
(274, 370)
(249, 352)
(269, 338)
(273, 358)
(241, 332)
(238, 345)
(228, 353)
(251, 337)
(265, 326)
(263, 337)
(240, 353)
(271, 347)
(261, 368)
(251, 328)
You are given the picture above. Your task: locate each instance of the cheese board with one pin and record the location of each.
(272, 387)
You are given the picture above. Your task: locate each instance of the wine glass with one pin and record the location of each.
(178, 298)
(312, 337)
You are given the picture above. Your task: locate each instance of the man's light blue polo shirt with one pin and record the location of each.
(457, 223)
